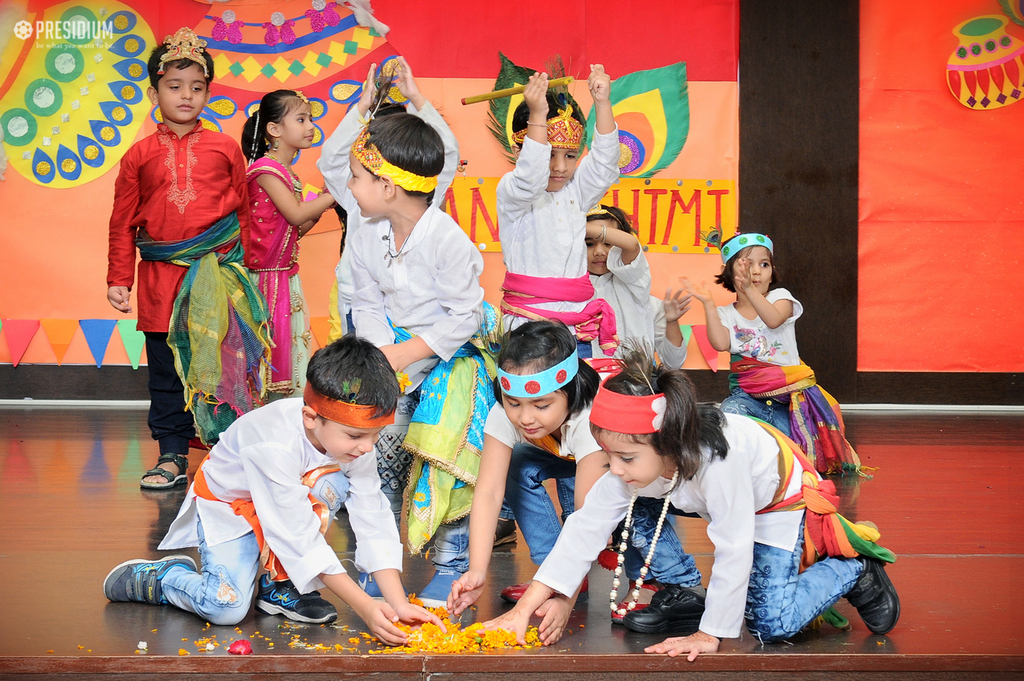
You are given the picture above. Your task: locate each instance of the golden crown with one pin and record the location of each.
(367, 153)
(184, 44)
(564, 131)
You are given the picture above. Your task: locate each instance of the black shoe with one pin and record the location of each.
(673, 610)
(282, 598)
(505, 532)
(875, 597)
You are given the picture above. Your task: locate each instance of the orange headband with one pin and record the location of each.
(346, 413)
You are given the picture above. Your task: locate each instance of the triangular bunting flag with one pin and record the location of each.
(97, 335)
(700, 332)
(321, 328)
(133, 340)
(60, 332)
(687, 331)
(19, 334)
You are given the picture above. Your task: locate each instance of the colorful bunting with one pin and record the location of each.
(19, 334)
(132, 339)
(59, 332)
(687, 331)
(700, 332)
(321, 328)
(97, 335)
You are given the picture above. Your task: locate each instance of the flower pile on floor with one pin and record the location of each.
(429, 638)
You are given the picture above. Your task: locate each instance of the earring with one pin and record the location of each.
(277, 143)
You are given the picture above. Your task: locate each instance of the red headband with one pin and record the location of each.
(346, 413)
(626, 413)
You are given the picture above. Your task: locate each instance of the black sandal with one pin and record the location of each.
(170, 479)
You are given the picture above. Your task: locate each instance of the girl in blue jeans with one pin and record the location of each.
(749, 481)
(538, 430)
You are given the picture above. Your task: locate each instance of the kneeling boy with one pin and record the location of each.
(266, 494)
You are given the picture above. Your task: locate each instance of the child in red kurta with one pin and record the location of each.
(172, 186)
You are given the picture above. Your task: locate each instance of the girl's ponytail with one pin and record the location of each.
(254, 137)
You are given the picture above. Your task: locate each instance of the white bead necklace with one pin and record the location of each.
(614, 595)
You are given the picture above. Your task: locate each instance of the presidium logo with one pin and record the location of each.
(77, 29)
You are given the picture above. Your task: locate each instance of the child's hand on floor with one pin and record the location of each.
(414, 614)
(554, 613)
(466, 591)
(695, 644)
(380, 618)
(516, 620)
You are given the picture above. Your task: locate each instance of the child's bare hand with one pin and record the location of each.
(380, 618)
(414, 614)
(465, 591)
(741, 274)
(675, 304)
(701, 292)
(407, 84)
(369, 90)
(119, 297)
(599, 83)
(515, 620)
(554, 613)
(695, 644)
(536, 96)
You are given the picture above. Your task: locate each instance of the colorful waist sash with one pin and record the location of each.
(218, 329)
(816, 421)
(596, 320)
(247, 511)
(826, 532)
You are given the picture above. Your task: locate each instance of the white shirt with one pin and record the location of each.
(577, 440)
(431, 289)
(542, 233)
(262, 457)
(335, 168)
(725, 492)
(638, 314)
(753, 338)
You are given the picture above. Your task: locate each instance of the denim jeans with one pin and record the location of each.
(670, 563)
(535, 513)
(781, 600)
(451, 546)
(770, 410)
(222, 592)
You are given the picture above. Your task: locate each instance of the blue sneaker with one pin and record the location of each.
(139, 580)
(282, 598)
(368, 584)
(435, 594)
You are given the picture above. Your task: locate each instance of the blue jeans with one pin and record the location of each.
(781, 600)
(535, 513)
(222, 592)
(770, 410)
(451, 546)
(670, 563)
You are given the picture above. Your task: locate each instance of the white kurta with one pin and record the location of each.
(542, 233)
(262, 457)
(576, 442)
(725, 492)
(638, 314)
(431, 289)
(334, 166)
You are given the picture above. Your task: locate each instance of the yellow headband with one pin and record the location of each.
(564, 131)
(367, 153)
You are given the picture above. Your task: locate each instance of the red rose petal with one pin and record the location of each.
(240, 647)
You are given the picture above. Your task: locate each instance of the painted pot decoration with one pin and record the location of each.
(986, 69)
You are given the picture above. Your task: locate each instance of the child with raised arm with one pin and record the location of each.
(767, 379)
(763, 502)
(418, 297)
(542, 206)
(181, 199)
(271, 137)
(266, 494)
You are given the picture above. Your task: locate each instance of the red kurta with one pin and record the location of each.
(174, 188)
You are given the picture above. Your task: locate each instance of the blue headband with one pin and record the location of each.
(741, 241)
(543, 383)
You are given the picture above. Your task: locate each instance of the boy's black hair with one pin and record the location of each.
(522, 114)
(153, 66)
(410, 143)
(273, 108)
(539, 345)
(354, 370)
(726, 278)
(687, 427)
(616, 215)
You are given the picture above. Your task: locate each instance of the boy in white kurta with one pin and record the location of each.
(267, 492)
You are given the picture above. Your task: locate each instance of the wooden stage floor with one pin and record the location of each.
(948, 496)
